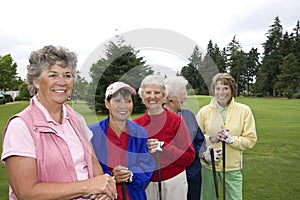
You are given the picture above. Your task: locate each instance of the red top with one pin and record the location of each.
(178, 151)
(117, 148)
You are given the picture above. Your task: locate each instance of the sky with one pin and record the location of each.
(85, 26)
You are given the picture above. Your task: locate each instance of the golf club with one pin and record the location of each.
(158, 173)
(223, 152)
(212, 156)
(123, 190)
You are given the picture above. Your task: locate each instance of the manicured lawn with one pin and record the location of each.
(271, 168)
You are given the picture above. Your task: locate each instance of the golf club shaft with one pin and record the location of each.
(123, 190)
(224, 164)
(158, 173)
(212, 156)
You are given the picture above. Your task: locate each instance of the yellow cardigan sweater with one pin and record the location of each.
(241, 125)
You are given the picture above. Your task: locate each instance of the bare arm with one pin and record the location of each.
(22, 176)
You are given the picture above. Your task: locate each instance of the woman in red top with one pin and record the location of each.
(168, 134)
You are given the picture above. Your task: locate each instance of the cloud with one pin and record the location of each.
(83, 26)
(251, 24)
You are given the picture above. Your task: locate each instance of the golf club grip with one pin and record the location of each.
(212, 156)
(123, 190)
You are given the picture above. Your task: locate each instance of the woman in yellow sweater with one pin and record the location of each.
(223, 119)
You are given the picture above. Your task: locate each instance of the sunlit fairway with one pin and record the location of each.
(271, 168)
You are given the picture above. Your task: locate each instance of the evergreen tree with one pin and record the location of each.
(252, 65)
(192, 74)
(211, 65)
(219, 57)
(236, 63)
(289, 78)
(121, 64)
(269, 69)
(286, 45)
(296, 41)
(80, 88)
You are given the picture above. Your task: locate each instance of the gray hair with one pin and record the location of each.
(43, 59)
(153, 80)
(174, 83)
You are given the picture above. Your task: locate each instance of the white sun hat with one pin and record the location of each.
(114, 87)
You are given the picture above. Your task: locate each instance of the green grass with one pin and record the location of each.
(271, 168)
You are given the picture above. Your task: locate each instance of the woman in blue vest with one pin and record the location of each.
(121, 145)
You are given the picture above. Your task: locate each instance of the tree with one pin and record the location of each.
(296, 39)
(289, 78)
(219, 57)
(80, 88)
(237, 63)
(8, 73)
(192, 74)
(252, 65)
(24, 92)
(121, 64)
(213, 62)
(269, 69)
(286, 45)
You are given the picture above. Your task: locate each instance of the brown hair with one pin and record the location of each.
(226, 79)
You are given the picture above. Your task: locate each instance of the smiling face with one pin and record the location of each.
(223, 93)
(153, 97)
(119, 106)
(54, 86)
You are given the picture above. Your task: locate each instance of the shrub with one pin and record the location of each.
(8, 98)
(259, 94)
(296, 96)
(2, 101)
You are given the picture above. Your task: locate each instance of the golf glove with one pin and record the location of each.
(158, 148)
(217, 154)
(229, 139)
(130, 179)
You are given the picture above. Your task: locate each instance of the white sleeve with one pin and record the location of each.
(89, 133)
(18, 140)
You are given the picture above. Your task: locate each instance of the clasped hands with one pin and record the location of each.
(222, 135)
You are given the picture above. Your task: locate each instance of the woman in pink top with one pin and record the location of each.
(46, 148)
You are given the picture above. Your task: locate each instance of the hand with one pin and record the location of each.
(98, 197)
(207, 156)
(102, 187)
(154, 145)
(225, 136)
(121, 174)
(213, 140)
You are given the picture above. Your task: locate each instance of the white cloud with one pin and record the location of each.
(84, 25)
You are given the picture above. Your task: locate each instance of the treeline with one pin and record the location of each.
(276, 72)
